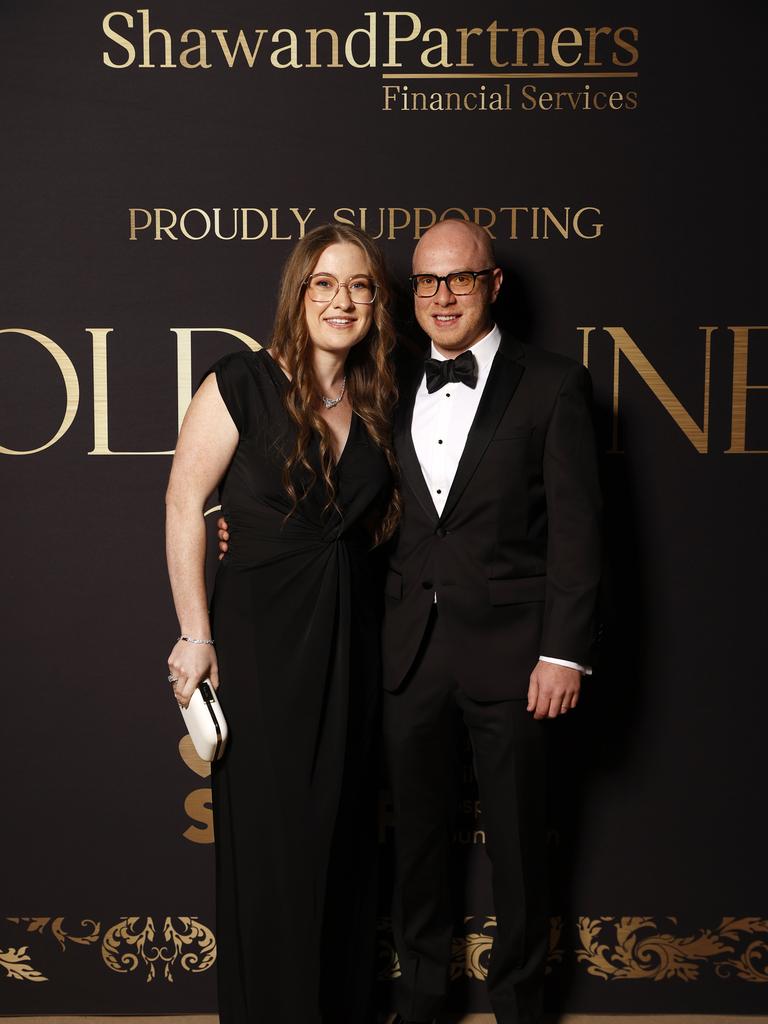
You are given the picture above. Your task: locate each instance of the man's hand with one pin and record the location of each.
(221, 522)
(553, 689)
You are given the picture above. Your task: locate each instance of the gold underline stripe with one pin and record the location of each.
(521, 74)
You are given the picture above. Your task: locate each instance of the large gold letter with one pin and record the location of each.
(198, 807)
(100, 397)
(394, 39)
(184, 360)
(71, 384)
(622, 343)
(740, 389)
(183, 387)
(126, 44)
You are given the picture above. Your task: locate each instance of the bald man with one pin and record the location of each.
(489, 609)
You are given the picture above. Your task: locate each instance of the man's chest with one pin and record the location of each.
(440, 426)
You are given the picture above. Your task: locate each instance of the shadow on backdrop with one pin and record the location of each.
(597, 741)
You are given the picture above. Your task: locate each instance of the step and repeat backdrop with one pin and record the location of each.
(158, 164)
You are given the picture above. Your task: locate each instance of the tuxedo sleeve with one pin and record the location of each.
(573, 513)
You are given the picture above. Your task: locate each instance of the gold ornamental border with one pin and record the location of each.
(132, 941)
(634, 947)
(610, 948)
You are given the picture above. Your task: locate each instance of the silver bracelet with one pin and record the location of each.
(192, 640)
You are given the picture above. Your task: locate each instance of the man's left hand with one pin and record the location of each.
(223, 532)
(553, 690)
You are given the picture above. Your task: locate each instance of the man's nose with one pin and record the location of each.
(444, 296)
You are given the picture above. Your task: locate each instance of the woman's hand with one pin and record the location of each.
(189, 664)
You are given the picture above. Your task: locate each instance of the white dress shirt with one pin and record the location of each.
(441, 424)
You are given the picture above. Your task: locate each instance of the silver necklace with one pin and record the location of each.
(329, 403)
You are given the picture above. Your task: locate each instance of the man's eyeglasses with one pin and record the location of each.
(461, 282)
(325, 287)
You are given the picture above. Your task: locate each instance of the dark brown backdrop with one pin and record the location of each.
(658, 834)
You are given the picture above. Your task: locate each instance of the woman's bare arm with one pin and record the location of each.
(206, 444)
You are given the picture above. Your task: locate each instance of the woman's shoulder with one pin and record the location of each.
(246, 370)
(246, 383)
(243, 362)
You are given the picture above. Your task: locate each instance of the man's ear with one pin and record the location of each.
(496, 281)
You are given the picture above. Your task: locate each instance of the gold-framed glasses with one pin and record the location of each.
(461, 282)
(324, 288)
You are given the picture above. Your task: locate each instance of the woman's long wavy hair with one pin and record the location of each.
(370, 377)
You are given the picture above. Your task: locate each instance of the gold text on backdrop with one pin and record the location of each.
(272, 224)
(397, 36)
(622, 346)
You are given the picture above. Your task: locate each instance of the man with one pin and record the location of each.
(488, 613)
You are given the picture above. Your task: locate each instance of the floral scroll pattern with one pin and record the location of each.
(88, 928)
(15, 961)
(752, 963)
(609, 948)
(132, 941)
(469, 953)
(635, 948)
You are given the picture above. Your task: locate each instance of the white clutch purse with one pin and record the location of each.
(205, 722)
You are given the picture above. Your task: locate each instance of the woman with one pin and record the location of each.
(297, 438)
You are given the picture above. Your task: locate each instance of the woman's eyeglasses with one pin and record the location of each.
(325, 287)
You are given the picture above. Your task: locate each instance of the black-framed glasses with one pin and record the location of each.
(324, 288)
(460, 282)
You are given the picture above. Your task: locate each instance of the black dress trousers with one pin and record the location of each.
(423, 729)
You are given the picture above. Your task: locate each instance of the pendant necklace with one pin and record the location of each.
(329, 403)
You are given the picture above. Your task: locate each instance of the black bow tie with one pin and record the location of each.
(461, 370)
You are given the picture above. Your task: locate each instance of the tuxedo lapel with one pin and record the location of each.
(506, 371)
(406, 452)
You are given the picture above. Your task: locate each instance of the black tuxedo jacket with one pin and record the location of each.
(515, 556)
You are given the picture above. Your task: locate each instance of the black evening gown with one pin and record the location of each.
(295, 617)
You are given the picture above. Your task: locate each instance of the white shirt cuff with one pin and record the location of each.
(586, 670)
